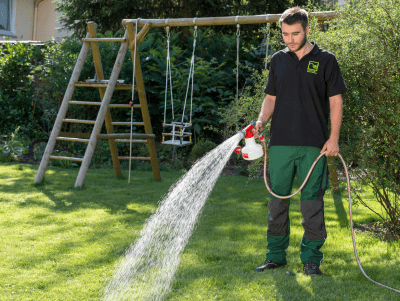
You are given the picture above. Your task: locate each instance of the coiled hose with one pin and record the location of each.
(350, 211)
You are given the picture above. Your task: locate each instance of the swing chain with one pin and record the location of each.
(168, 74)
(132, 101)
(237, 70)
(191, 78)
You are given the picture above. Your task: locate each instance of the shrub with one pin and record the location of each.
(14, 146)
(200, 149)
(16, 99)
(366, 41)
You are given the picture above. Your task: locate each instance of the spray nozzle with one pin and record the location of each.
(248, 133)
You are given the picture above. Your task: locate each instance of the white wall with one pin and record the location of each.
(24, 19)
(28, 24)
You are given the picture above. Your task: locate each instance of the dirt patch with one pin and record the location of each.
(378, 229)
(229, 170)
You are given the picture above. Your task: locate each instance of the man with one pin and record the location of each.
(303, 90)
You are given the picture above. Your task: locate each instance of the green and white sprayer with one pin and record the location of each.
(253, 151)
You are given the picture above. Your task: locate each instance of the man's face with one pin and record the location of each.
(294, 36)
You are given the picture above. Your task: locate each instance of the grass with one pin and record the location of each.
(61, 243)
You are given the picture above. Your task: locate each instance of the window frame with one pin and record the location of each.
(12, 13)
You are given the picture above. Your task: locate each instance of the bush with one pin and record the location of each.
(366, 41)
(239, 114)
(200, 149)
(14, 146)
(16, 98)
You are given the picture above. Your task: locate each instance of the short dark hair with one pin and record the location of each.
(295, 15)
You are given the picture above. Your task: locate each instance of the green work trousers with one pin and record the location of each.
(284, 163)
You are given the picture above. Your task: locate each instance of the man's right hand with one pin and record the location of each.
(258, 129)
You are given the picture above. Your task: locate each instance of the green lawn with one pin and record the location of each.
(60, 243)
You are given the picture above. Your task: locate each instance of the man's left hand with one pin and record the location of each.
(331, 147)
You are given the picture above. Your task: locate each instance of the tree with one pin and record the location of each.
(109, 14)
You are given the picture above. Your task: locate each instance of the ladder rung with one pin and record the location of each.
(79, 121)
(87, 40)
(126, 136)
(103, 85)
(66, 158)
(135, 158)
(124, 106)
(94, 103)
(128, 141)
(75, 135)
(73, 139)
(128, 123)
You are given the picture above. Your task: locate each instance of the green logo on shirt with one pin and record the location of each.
(313, 67)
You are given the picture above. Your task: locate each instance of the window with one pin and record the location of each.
(5, 15)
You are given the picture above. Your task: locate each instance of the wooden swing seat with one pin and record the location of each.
(179, 135)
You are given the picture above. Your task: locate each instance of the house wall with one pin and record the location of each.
(28, 24)
(46, 21)
(24, 19)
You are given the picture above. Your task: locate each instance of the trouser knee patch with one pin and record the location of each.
(313, 219)
(278, 217)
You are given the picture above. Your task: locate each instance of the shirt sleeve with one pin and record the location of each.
(335, 82)
(270, 88)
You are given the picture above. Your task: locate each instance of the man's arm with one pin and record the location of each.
(336, 107)
(267, 108)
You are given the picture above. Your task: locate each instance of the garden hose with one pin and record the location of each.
(350, 211)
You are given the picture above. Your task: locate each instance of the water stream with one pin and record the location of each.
(147, 270)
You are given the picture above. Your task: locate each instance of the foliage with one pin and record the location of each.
(109, 14)
(366, 41)
(200, 149)
(102, 153)
(240, 113)
(64, 163)
(16, 83)
(38, 150)
(14, 146)
(255, 168)
(52, 75)
(45, 73)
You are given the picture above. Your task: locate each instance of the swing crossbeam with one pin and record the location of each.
(231, 20)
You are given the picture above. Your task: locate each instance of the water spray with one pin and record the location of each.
(253, 151)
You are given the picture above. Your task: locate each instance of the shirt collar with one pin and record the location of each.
(314, 50)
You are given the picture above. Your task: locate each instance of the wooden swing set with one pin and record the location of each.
(130, 41)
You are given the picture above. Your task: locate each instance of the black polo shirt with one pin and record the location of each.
(302, 89)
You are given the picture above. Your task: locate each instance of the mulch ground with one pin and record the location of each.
(378, 229)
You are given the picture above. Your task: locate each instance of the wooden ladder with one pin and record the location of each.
(106, 89)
